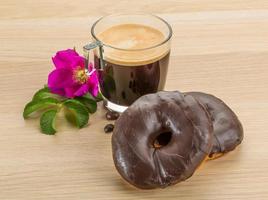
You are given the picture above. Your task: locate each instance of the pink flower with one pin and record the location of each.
(70, 78)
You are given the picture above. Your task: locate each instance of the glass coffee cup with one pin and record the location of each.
(131, 54)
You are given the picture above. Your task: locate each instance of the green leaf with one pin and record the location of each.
(88, 96)
(90, 104)
(99, 97)
(38, 105)
(76, 112)
(74, 101)
(45, 93)
(47, 122)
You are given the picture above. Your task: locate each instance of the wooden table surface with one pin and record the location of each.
(219, 47)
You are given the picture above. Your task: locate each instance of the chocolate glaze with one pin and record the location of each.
(143, 164)
(228, 131)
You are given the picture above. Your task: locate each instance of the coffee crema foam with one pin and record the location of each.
(132, 38)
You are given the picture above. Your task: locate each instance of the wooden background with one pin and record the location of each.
(219, 47)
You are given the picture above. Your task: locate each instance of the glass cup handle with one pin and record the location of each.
(88, 47)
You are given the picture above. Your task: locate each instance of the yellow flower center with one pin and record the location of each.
(80, 76)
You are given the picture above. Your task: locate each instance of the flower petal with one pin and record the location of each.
(68, 59)
(82, 90)
(60, 78)
(61, 59)
(70, 91)
(77, 61)
(58, 63)
(93, 84)
(70, 52)
(90, 66)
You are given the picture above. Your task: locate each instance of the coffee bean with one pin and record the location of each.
(108, 128)
(110, 115)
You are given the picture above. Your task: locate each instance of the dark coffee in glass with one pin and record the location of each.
(132, 59)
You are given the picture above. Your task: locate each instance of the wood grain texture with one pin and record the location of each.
(219, 47)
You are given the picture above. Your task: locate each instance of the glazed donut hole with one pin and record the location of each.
(169, 132)
(163, 139)
(163, 136)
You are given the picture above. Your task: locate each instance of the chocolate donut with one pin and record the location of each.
(161, 139)
(228, 131)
